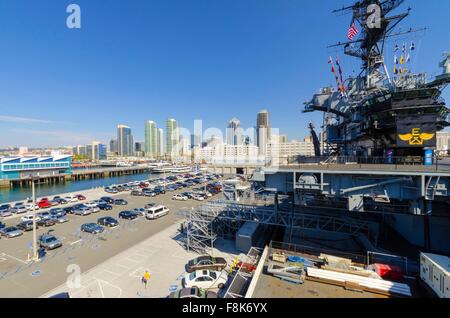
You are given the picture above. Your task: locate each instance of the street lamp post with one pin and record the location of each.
(35, 251)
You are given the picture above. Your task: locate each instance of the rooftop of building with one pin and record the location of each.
(32, 159)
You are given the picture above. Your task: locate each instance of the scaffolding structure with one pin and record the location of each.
(223, 218)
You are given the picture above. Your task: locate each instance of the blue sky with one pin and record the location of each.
(187, 59)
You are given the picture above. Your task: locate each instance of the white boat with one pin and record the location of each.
(162, 170)
(181, 169)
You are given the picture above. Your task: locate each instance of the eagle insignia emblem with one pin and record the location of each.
(416, 138)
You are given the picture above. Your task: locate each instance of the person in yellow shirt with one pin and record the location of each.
(146, 278)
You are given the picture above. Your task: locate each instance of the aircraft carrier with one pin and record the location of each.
(375, 184)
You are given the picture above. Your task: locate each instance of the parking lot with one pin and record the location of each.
(120, 276)
(21, 278)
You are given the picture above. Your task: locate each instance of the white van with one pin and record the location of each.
(156, 211)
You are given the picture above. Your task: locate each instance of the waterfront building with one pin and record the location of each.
(151, 139)
(234, 132)
(79, 151)
(23, 167)
(125, 143)
(263, 132)
(228, 154)
(284, 151)
(172, 138)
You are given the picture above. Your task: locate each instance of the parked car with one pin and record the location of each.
(179, 197)
(26, 226)
(198, 197)
(105, 206)
(49, 241)
(45, 222)
(111, 190)
(92, 228)
(82, 210)
(59, 218)
(187, 194)
(69, 209)
(107, 199)
(93, 207)
(108, 221)
(193, 292)
(140, 211)
(156, 212)
(159, 190)
(19, 208)
(5, 208)
(29, 218)
(5, 213)
(137, 193)
(149, 194)
(10, 232)
(120, 202)
(2, 225)
(71, 198)
(31, 206)
(205, 279)
(206, 262)
(128, 215)
(44, 204)
(43, 215)
(80, 197)
(60, 200)
(56, 212)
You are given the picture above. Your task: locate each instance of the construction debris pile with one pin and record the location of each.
(329, 269)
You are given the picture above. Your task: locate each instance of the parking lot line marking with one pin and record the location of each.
(73, 243)
(15, 258)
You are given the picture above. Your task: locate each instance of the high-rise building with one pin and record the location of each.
(234, 132)
(113, 146)
(125, 143)
(172, 138)
(160, 141)
(262, 130)
(96, 151)
(139, 146)
(151, 139)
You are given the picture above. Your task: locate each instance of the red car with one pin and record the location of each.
(80, 197)
(44, 203)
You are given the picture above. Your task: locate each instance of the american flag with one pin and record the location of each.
(352, 31)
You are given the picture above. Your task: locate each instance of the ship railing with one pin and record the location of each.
(437, 162)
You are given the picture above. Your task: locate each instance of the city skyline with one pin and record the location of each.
(173, 71)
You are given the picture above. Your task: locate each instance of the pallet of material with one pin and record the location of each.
(366, 283)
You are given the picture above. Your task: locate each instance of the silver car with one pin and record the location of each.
(82, 211)
(49, 242)
(60, 218)
(19, 208)
(11, 232)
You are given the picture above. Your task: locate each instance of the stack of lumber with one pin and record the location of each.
(354, 271)
(364, 283)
